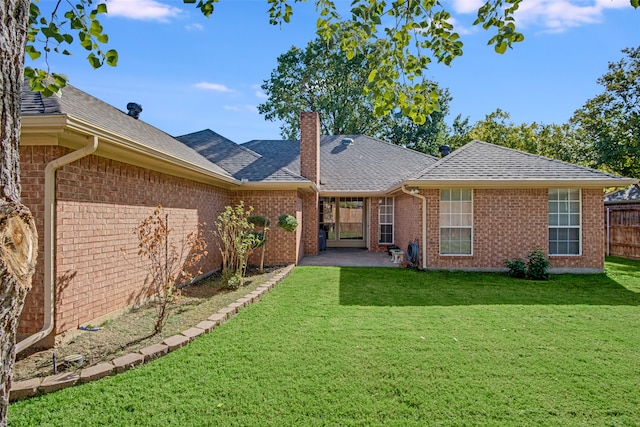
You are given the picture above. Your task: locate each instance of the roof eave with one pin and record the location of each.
(518, 183)
(304, 186)
(72, 131)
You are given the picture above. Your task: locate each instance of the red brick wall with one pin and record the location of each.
(510, 223)
(282, 246)
(99, 204)
(408, 219)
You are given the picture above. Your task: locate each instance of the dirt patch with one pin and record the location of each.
(130, 330)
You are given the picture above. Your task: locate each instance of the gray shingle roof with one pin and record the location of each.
(626, 195)
(82, 106)
(239, 161)
(368, 165)
(483, 161)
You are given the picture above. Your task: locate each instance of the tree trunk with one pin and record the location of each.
(18, 236)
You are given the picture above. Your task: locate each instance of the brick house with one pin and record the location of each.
(91, 172)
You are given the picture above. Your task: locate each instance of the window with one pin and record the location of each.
(385, 220)
(456, 222)
(351, 218)
(328, 216)
(565, 234)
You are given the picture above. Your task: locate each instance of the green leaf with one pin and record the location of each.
(94, 60)
(101, 8)
(112, 57)
(501, 47)
(635, 3)
(32, 52)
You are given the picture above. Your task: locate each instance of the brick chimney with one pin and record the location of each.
(310, 146)
(310, 169)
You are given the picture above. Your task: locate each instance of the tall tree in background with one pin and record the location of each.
(558, 142)
(610, 123)
(320, 78)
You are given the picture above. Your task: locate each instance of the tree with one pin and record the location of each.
(420, 31)
(21, 25)
(558, 142)
(320, 78)
(609, 124)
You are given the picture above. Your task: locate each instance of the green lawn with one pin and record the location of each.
(366, 346)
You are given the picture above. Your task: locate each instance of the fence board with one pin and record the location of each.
(624, 231)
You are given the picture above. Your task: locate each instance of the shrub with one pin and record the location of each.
(517, 268)
(235, 241)
(170, 261)
(537, 266)
(287, 222)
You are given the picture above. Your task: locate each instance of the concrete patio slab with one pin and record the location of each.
(349, 257)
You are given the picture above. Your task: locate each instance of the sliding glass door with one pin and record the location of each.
(344, 221)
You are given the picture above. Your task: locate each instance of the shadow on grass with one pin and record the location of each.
(403, 287)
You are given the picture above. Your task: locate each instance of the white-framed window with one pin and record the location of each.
(385, 220)
(456, 221)
(565, 221)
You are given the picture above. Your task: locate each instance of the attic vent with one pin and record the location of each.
(445, 150)
(134, 109)
(347, 141)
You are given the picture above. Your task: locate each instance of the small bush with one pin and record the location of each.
(538, 265)
(536, 268)
(517, 268)
(287, 222)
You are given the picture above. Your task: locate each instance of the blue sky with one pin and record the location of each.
(191, 73)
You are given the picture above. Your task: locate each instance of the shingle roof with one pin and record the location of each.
(626, 195)
(483, 161)
(239, 161)
(82, 106)
(367, 165)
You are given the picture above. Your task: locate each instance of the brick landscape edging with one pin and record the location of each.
(34, 386)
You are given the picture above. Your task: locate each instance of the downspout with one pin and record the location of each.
(608, 231)
(415, 193)
(49, 239)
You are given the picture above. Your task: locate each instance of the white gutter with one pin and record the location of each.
(608, 231)
(49, 239)
(415, 193)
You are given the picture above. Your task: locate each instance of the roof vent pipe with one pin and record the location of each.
(134, 109)
(445, 150)
(347, 141)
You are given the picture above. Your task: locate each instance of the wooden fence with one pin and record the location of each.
(622, 230)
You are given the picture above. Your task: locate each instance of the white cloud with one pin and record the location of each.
(146, 10)
(557, 15)
(551, 15)
(460, 28)
(216, 87)
(467, 6)
(195, 27)
(260, 94)
(612, 4)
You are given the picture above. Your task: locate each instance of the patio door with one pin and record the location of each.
(344, 221)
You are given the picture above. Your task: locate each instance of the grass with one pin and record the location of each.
(367, 346)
